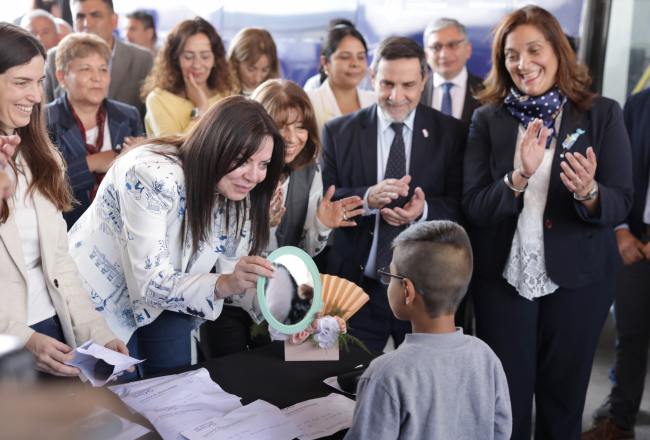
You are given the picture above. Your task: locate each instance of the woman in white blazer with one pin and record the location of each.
(169, 213)
(43, 303)
(344, 58)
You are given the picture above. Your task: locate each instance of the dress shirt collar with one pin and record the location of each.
(459, 80)
(384, 121)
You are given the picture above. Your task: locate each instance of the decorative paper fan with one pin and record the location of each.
(341, 295)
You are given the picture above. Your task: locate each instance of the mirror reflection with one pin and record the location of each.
(290, 293)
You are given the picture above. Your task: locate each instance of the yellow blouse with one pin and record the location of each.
(168, 113)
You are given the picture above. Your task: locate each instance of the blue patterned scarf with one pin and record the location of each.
(527, 108)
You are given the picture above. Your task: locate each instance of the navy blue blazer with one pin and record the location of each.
(637, 119)
(579, 248)
(349, 161)
(123, 120)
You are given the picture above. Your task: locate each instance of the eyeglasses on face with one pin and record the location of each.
(385, 276)
(450, 45)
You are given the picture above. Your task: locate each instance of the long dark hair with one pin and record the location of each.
(18, 47)
(223, 140)
(572, 77)
(166, 72)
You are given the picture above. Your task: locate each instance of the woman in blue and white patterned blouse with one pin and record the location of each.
(169, 213)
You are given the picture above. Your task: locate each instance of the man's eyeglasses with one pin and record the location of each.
(385, 276)
(450, 45)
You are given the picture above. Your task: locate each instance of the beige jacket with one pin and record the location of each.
(325, 107)
(78, 318)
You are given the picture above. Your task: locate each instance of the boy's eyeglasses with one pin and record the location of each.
(385, 276)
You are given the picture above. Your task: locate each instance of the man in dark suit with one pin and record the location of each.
(617, 416)
(130, 64)
(368, 153)
(450, 87)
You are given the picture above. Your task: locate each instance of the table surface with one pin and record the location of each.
(264, 374)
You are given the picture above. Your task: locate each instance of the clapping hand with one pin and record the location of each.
(578, 172)
(340, 213)
(409, 213)
(532, 146)
(388, 190)
(277, 209)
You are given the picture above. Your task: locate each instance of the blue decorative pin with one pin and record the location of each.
(570, 140)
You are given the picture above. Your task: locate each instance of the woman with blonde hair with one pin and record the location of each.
(87, 127)
(253, 59)
(189, 75)
(547, 176)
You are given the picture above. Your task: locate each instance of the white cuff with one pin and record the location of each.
(366, 209)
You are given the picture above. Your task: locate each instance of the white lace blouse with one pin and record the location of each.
(525, 269)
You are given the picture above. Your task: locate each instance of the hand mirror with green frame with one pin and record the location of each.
(293, 296)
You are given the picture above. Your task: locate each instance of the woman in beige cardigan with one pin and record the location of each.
(345, 63)
(43, 303)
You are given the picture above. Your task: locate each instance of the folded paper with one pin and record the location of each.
(98, 364)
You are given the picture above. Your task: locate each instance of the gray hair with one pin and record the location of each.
(61, 23)
(437, 257)
(38, 13)
(440, 24)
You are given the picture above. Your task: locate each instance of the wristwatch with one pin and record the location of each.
(590, 195)
(196, 112)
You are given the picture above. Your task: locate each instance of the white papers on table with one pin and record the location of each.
(334, 383)
(321, 417)
(172, 403)
(256, 421)
(98, 364)
(260, 420)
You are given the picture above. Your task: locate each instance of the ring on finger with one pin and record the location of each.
(345, 216)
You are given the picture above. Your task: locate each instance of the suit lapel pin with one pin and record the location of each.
(425, 133)
(570, 140)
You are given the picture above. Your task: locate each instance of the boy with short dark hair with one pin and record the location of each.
(439, 384)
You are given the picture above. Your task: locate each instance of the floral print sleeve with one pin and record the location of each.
(148, 198)
(130, 251)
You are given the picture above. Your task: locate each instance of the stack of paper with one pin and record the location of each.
(256, 421)
(260, 420)
(173, 403)
(321, 417)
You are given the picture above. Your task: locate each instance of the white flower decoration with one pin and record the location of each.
(327, 332)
